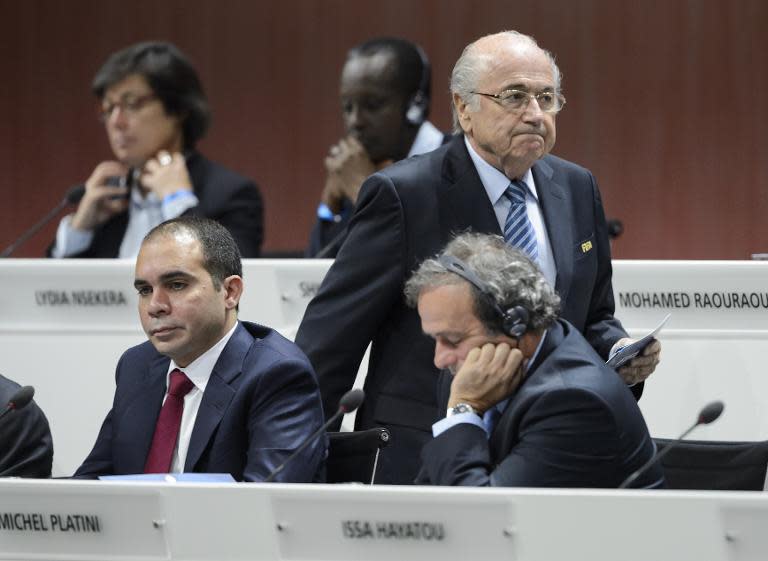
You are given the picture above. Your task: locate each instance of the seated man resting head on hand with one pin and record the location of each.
(529, 402)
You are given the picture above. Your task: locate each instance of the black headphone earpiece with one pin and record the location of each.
(416, 108)
(513, 322)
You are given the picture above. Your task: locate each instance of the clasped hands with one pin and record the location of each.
(162, 175)
(347, 166)
(489, 374)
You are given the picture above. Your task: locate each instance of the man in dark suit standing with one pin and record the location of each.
(206, 393)
(154, 111)
(529, 403)
(506, 95)
(26, 447)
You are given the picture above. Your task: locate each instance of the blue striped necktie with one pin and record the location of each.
(518, 231)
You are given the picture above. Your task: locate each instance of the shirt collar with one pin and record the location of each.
(199, 370)
(427, 139)
(141, 202)
(493, 180)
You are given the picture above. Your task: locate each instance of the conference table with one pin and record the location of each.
(105, 521)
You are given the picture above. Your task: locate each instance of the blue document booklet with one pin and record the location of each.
(625, 354)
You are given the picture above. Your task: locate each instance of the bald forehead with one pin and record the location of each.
(510, 61)
(502, 49)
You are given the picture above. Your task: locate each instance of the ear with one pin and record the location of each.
(463, 112)
(233, 290)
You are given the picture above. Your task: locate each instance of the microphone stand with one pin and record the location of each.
(36, 228)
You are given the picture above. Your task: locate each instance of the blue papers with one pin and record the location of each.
(173, 477)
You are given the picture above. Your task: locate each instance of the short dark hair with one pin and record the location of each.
(411, 64)
(221, 256)
(172, 78)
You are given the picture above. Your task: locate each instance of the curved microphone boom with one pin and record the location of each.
(72, 197)
(348, 403)
(19, 400)
(709, 413)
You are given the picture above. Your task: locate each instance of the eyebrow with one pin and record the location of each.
(527, 88)
(165, 277)
(126, 95)
(446, 334)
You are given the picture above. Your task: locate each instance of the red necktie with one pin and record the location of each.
(168, 424)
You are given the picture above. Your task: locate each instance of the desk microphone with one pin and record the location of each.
(19, 400)
(72, 197)
(348, 403)
(708, 414)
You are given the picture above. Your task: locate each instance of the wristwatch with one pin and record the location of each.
(462, 408)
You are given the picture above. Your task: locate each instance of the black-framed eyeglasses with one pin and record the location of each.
(128, 105)
(518, 100)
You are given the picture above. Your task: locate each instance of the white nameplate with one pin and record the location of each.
(91, 524)
(66, 296)
(297, 286)
(702, 295)
(392, 527)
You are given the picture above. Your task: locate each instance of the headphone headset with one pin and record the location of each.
(416, 109)
(513, 322)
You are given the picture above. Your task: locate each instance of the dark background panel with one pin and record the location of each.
(666, 101)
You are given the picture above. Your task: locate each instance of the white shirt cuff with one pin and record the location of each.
(176, 204)
(69, 240)
(443, 425)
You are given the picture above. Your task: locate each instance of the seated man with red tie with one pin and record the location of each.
(207, 393)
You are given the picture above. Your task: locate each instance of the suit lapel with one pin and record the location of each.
(143, 415)
(505, 434)
(558, 219)
(464, 203)
(218, 394)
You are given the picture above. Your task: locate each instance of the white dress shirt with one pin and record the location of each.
(495, 184)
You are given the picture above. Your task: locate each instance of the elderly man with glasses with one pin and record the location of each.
(497, 177)
(154, 111)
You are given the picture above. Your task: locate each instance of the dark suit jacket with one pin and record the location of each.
(571, 423)
(409, 212)
(26, 447)
(224, 195)
(260, 403)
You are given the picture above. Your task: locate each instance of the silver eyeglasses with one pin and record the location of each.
(129, 106)
(518, 100)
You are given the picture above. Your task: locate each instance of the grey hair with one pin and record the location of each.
(509, 275)
(473, 64)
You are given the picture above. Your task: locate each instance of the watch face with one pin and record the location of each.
(462, 408)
